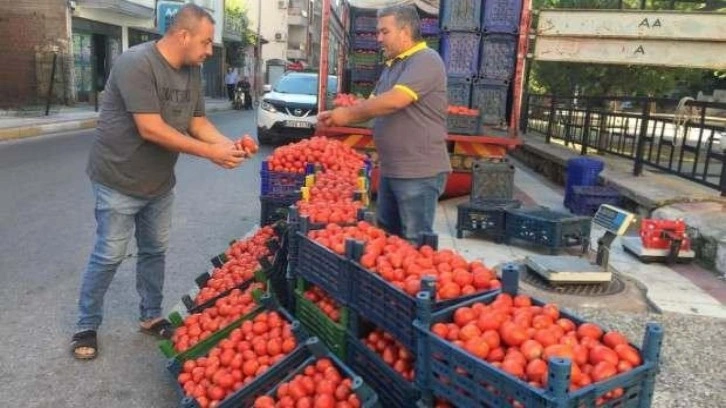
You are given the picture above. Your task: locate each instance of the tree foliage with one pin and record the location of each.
(564, 78)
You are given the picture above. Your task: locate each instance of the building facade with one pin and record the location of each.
(75, 43)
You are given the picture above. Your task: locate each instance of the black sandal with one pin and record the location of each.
(85, 339)
(161, 329)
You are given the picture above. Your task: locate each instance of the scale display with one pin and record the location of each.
(613, 219)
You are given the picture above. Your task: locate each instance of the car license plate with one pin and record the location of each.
(298, 124)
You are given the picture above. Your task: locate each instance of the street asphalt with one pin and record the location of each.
(46, 233)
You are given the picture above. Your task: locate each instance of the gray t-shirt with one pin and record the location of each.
(142, 81)
(411, 143)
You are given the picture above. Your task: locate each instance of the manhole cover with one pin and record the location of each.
(615, 286)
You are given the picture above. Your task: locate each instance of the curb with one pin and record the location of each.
(23, 132)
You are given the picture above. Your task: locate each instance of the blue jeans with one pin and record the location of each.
(116, 216)
(406, 207)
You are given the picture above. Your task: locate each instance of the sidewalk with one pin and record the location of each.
(66, 118)
(684, 289)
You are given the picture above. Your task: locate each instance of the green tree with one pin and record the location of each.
(564, 78)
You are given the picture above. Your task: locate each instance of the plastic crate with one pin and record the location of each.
(501, 16)
(393, 390)
(492, 180)
(451, 373)
(490, 98)
(433, 42)
(365, 42)
(581, 171)
(461, 15)
(322, 267)
(367, 397)
(365, 24)
(460, 52)
(367, 59)
(462, 124)
(275, 183)
(587, 199)
(429, 26)
(498, 56)
(547, 228)
(177, 320)
(364, 74)
(458, 90)
(362, 88)
(274, 208)
(318, 323)
(191, 307)
(385, 305)
(486, 217)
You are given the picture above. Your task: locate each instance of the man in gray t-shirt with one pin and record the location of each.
(409, 107)
(153, 109)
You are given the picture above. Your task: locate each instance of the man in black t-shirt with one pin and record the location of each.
(153, 110)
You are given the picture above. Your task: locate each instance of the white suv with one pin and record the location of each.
(290, 110)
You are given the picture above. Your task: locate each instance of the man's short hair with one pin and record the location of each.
(188, 18)
(405, 16)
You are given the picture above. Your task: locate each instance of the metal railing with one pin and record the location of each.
(683, 137)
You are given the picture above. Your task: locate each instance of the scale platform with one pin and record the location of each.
(568, 269)
(634, 245)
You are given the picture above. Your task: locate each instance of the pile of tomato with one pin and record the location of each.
(518, 337)
(332, 155)
(332, 199)
(249, 351)
(324, 302)
(392, 352)
(462, 111)
(319, 385)
(403, 265)
(242, 262)
(225, 311)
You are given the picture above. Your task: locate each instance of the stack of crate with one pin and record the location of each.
(365, 59)
(478, 46)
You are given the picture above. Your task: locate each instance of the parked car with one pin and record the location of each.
(289, 110)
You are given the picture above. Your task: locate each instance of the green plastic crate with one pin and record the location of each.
(167, 346)
(318, 323)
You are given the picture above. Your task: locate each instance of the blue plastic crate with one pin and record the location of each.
(463, 124)
(387, 306)
(587, 199)
(461, 15)
(449, 372)
(458, 90)
(364, 74)
(547, 228)
(498, 56)
(581, 171)
(490, 97)
(279, 183)
(367, 397)
(393, 390)
(274, 208)
(460, 52)
(322, 267)
(487, 217)
(501, 16)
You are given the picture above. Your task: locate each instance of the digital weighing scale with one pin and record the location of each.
(671, 255)
(578, 269)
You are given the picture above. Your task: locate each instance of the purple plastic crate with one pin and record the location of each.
(365, 24)
(275, 183)
(490, 97)
(364, 75)
(365, 42)
(460, 52)
(429, 26)
(461, 15)
(498, 56)
(501, 16)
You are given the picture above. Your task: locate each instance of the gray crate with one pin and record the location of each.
(492, 180)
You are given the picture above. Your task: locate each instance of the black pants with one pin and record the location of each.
(230, 92)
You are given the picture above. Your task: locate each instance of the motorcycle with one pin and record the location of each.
(242, 98)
